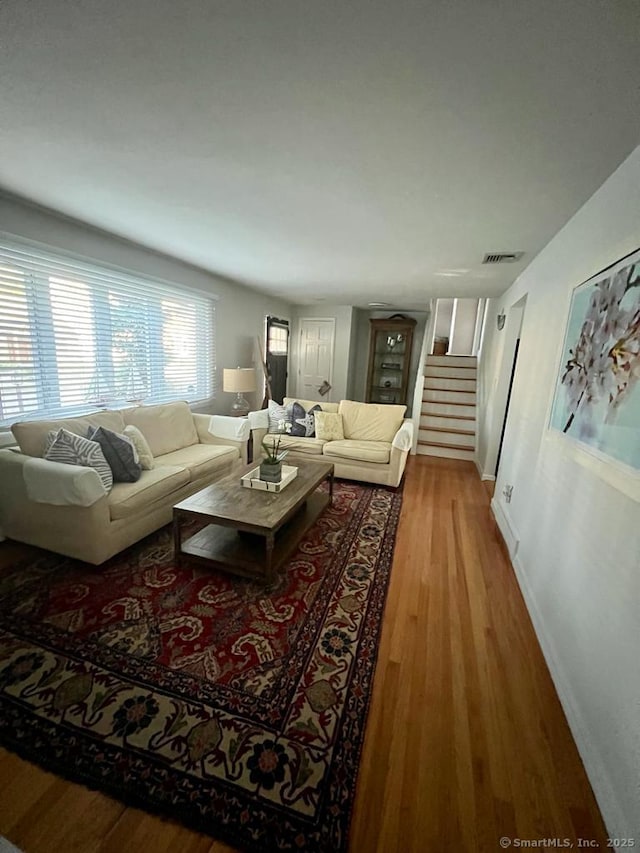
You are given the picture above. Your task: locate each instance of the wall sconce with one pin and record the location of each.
(238, 381)
(500, 320)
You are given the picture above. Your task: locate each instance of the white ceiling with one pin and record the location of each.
(351, 150)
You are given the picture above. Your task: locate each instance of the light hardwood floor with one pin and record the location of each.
(466, 741)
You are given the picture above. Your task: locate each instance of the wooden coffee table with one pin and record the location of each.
(251, 532)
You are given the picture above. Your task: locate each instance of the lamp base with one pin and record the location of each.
(240, 407)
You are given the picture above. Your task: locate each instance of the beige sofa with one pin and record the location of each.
(377, 440)
(64, 508)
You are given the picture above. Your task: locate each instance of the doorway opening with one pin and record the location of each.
(277, 356)
(506, 410)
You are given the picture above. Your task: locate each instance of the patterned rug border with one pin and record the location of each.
(51, 739)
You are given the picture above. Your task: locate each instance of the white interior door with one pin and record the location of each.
(316, 356)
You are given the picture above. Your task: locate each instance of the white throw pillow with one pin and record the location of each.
(141, 445)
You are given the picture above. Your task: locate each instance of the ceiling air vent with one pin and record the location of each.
(502, 257)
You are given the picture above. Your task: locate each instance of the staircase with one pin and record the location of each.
(448, 415)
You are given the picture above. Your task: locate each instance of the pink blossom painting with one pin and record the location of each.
(597, 399)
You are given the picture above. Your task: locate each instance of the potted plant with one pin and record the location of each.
(271, 465)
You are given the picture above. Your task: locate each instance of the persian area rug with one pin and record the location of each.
(194, 694)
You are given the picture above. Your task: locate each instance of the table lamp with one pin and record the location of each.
(239, 380)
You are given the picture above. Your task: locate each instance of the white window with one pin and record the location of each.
(74, 336)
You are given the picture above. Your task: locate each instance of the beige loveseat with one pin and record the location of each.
(64, 508)
(377, 440)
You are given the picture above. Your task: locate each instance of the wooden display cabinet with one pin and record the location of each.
(390, 344)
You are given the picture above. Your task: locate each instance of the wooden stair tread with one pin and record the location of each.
(452, 367)
(455, 417)
(449, 429)
(445, 444)
(449, 390)
(447, 402)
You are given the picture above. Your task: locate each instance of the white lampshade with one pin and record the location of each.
(239, 379)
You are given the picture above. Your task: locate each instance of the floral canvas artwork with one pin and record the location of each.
(597, 399)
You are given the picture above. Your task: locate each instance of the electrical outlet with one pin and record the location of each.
(507, 492)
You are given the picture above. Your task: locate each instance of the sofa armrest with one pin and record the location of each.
(225, 426)
(403, 439)
(54, 483)
(258, 436)
(259, 419)
(59, 528)
(205, 436)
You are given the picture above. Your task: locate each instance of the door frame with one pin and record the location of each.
(506, 407)
(302, 321)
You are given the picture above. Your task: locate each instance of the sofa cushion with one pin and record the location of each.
(370, 421)
(309, 404)
(200, 459)
(360, 451)
(119, 452)
(32, 435)
(71, 449)
(167, 427)
(302, 445)
(126, 499)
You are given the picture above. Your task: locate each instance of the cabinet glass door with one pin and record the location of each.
(388, 367)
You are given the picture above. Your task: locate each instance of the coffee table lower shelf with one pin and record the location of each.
(247, 551)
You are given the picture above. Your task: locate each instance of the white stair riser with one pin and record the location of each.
(450, 384)
(447, 437)
(452, 360)
(446, 409)
(444, 452)
(449, 396)
(428, 420)
(432, 370)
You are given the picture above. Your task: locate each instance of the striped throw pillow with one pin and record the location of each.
(72, 449)
(279, 417)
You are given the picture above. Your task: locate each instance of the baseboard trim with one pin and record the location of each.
(505, 525)
(481, 473)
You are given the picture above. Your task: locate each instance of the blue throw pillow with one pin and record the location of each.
(120, 454)
(303, 423)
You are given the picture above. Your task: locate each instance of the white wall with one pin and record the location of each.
(444, 313)
(464, 327)
(342, 314)
(240, 311)
(578, 557)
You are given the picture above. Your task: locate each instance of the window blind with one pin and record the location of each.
(75, 336)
